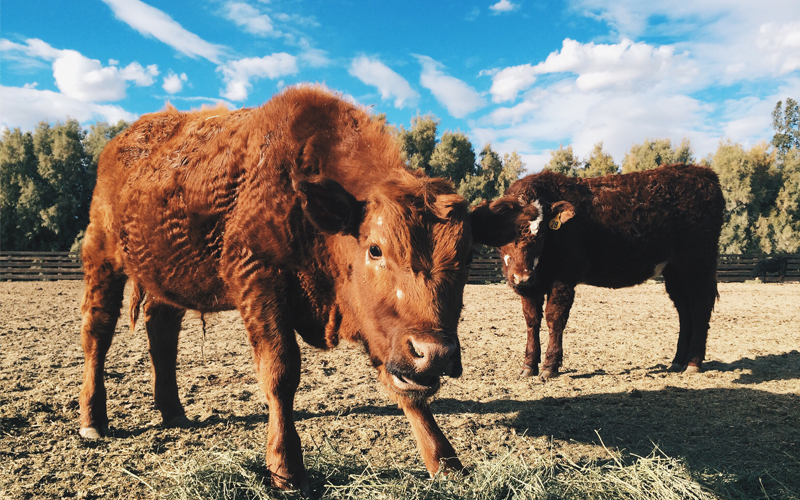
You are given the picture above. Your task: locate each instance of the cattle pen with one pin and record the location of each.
(614, 417)
(485, 268)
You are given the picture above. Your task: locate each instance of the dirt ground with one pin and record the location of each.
(737, 421)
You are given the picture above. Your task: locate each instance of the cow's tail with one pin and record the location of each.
(137, 297)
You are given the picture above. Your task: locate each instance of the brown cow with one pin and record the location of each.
(617, 231)
(301, 215)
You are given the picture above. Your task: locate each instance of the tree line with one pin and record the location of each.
(46, 181)
(47, 177)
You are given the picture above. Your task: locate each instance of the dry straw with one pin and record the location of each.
(240, 474)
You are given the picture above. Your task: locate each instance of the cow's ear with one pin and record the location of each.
(497, 223)
(329, 206)
(563, 210)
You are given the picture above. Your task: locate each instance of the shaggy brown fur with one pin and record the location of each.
(617, 231)
(301, 215)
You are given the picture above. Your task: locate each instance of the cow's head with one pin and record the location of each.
(401, 259)
(521, 257)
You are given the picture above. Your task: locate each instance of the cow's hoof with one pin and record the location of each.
(179, 422)
(91, 433)
(528, 371)
(693, 369)
(675, 368)
(283, 483)
(547, 375)
(451, 464)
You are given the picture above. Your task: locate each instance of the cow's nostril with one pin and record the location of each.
(416, 351)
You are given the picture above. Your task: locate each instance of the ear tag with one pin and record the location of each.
(555, 224)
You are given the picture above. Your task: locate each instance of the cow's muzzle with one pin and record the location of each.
(424, 363)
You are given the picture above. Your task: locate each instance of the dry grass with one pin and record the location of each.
(238, 474)
(733, 430)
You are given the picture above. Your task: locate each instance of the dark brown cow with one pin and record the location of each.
(301, 215)
(772, 265)
(617, 231)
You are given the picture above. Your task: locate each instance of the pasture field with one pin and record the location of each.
(735, 427)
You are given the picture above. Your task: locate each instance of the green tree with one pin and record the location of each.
(418, 143)
(749, 182)
(513, 167)
(46, 183)
(19, 200)
(598, 163)
(98, 136)
(655, 153)
(63, 167)
(778, 231)
(786, 123)
(493, 175)
(563, 161)
(453, 157)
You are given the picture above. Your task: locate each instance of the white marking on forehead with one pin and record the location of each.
(380, 221)
(400, 294)
(505, 259)
(535, 223)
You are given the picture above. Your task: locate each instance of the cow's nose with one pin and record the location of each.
(434, 358)
(520, 278)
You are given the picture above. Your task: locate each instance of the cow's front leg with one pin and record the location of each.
(559, 302)
(532, 309)
(434, 447)
(277, 361)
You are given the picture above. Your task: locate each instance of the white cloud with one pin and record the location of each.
(732, 41)
(237, 74)
(508, 82)
(390, 84)
(26, 107)
(503, 6)
(623, 92)
(143, 77)
(459, 98)
(316, 58)
(625, 65)
(249, 18)
(782, 43)
(565, 114)
(84, 79)
(174, 83)
(153, 22)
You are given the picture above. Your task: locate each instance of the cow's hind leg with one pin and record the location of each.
(702, 296)
(693, 291)
(676, 289)
(163, 324)
(532, 309)
(100, 308)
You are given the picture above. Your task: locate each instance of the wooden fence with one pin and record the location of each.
(48, 266)
(40, 266)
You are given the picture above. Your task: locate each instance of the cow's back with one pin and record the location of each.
(176, 190)
(626, 226)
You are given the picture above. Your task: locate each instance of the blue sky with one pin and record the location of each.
(521, 75)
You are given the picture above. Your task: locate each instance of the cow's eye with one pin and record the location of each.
(375, 252)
